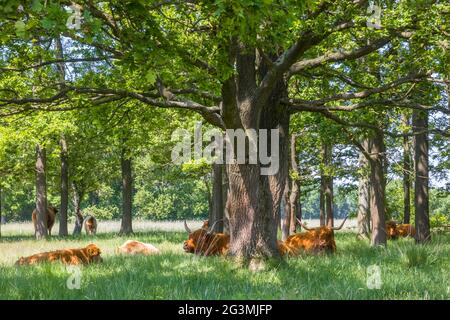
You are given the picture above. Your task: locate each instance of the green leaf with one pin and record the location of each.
(20, 28)
(150, 77)
(47, 23)
(36, 6)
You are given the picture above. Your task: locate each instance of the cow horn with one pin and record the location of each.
(342, 224)
(303, 225)
(214, 224)
(186, 227)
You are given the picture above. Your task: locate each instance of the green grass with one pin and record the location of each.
(407, 272)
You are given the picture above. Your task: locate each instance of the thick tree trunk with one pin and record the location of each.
(377, 202)
(64, 189)
(216, 215)
(421, 187)
(295, 206)
(407, 167)
(127, 194)
(363, 217)
(41, 193)
(285, 213)
(253, 205)
(253, 201)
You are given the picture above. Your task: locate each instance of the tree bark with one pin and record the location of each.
(407, 168)
(226, 216)
(364, 195)
(64, 189)
(421, 187)
(127, 194)
(253, 200)
(328, 186)
(76, 200)
(295, 206)
(41, 193)
(323, 186)
(377, 182)
(217, 215)
(285, 213)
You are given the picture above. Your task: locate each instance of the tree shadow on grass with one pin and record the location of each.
(184, 276)
(178, 276)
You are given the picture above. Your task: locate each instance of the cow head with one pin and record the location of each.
(323, 236)
(391, 229)
(199, 240)
(93, 252)
(54, 209)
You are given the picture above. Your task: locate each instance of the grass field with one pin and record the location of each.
(407, 271)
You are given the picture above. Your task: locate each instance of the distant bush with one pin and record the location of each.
(439, 220)
(102, 213)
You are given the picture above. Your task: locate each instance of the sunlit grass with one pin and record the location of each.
(405, 273)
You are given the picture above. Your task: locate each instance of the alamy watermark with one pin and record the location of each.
(235, 146)
(74, 280)
(74, 20)
(374, 20)
(374, 277)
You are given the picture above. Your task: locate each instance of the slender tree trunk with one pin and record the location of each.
(329, 202)
(226, 216)
(295, 206)
(421, 187)
(323, 187)
(407, 168)
(41, 193)
(64, 189)
(328, 186)
(76, 200)
(217, 201)
(64, 158)
(209, 196)
(322, 202)
(127, 194)
(285, 213)
(377, 203)
(364, 196)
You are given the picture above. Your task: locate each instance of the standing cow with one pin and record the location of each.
(90, 225)
(50, 217)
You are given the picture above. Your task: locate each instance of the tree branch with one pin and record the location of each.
(338, 56)
(55, 61)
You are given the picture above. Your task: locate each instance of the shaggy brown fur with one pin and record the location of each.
(51, 215)
(395, 230)
(89, 254)
(206, 243)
